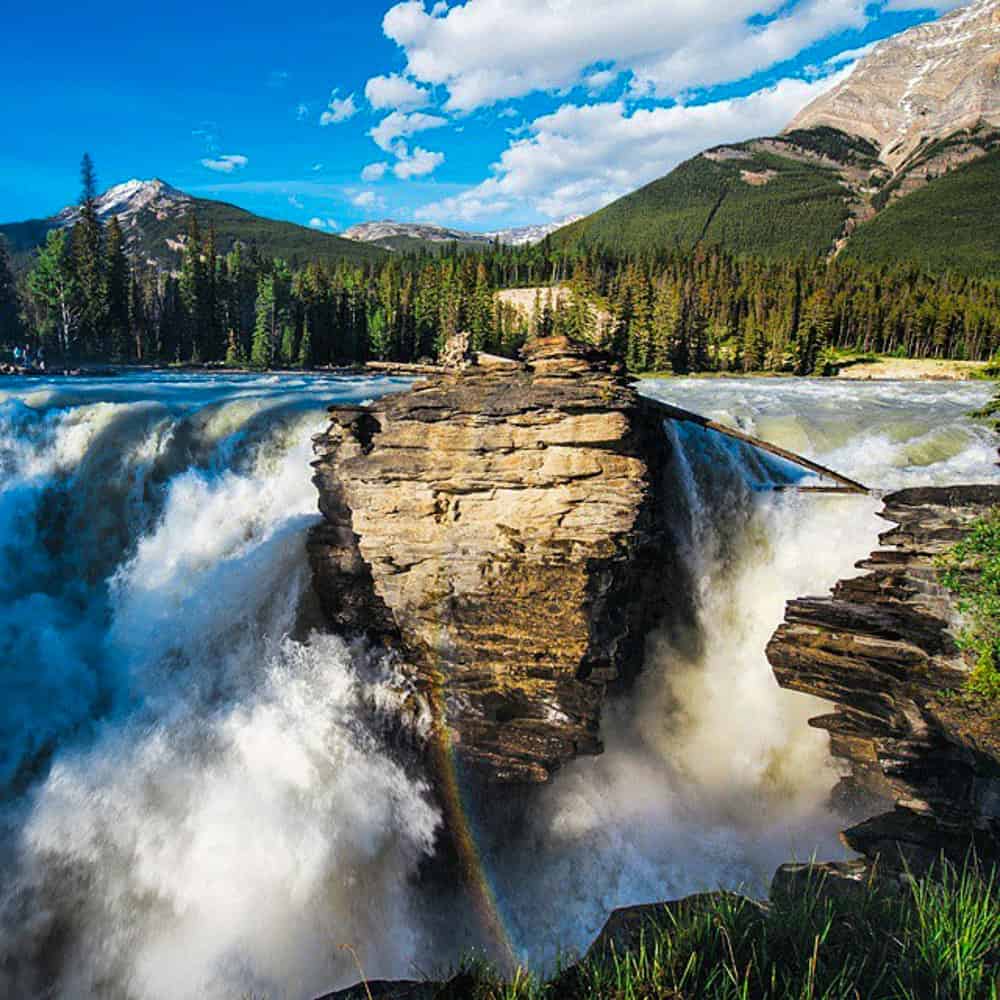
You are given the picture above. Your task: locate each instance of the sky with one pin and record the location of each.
(480, 114)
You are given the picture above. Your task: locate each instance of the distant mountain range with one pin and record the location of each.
(153, 216)
(901, 161)
(402, 236)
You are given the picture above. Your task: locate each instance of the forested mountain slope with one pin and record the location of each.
(154, 218)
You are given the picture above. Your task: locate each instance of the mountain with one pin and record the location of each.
(153, 216)
(899, 161)
(404, 236)
(919, 87)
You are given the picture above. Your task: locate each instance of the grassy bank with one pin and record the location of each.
(938, 938)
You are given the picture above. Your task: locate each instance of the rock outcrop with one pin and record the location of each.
(883, 649)
(502, 528)
(924, 84)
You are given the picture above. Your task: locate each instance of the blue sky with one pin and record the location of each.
(479, 114)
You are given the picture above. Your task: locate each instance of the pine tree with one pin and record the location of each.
(305, 346)
(194, 294)
(813, 333)
(88, 265)
(262, 351)
(10, 322)
(116, 272)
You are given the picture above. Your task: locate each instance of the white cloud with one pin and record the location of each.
(398, 126)
(940, 6)
(302, 112)
(395, 91)
(367, 200)
(478, 53)
(294, 201)
(338, 110)
(317, 223)
(419, 163)
(579, 158)
(316, 168)
(226, 164)
(374, 172)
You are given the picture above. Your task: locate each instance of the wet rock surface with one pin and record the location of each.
(501, 526)
(883, 649)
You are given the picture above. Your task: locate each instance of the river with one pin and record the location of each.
(196, 798)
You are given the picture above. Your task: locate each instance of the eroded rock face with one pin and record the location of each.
(883, 649)
(923, 84)
(500, 527)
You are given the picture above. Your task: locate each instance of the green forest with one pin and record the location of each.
(85, 298)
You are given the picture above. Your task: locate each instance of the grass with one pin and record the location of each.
(971, 571)
(936, 938)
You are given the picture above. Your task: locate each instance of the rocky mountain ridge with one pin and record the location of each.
(920, 86)
(898, 162)
(407, 235)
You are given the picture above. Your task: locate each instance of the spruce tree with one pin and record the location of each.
(88, 264)
(116, 272)
(261, 352)
(10, 322)
(305, 359)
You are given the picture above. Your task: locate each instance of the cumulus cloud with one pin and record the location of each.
(419, 163)
(329, 224)
(367, 200)
(398, 126)
(374, 172)
(338, 110)
(395, 91)
(472, 51)
(225, 164)
(579, 158)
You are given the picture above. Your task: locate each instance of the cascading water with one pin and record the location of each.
(197, 801)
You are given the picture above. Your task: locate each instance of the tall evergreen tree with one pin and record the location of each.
(88, 262)
(116, 271)
(10, 321)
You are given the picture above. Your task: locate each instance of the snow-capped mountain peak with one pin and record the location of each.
(128, 199)
(386, 231)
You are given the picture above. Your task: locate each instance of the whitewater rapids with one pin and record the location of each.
(196, 798)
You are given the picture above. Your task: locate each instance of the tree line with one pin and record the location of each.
(86, 298)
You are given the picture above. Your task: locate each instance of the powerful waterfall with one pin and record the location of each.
(196, 800)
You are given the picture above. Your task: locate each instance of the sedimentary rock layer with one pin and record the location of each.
(500, 527)
(883, 649)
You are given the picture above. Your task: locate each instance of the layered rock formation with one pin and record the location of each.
(500, 526)
(924, 84)
(883, 649)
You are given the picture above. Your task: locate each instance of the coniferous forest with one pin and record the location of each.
(84, 298)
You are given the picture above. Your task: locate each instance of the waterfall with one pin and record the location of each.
(196, 801)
